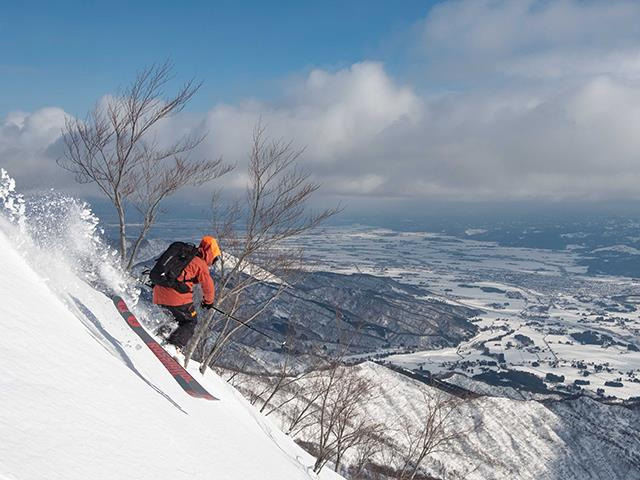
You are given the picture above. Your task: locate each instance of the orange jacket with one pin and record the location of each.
(197, 271)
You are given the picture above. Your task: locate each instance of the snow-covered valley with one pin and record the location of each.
(539, 312)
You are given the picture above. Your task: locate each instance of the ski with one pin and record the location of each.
(184, 378)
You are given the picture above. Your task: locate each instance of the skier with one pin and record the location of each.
(178, 298)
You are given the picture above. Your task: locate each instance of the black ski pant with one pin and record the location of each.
(187, 319)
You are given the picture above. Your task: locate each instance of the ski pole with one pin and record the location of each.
(282, 344)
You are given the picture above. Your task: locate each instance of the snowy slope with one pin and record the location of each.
(570, 440)
(503, 439)
(81, 398)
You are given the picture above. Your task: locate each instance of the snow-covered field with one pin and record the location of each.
(540, 312)
(82, 398)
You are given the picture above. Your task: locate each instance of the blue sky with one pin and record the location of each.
(397, 103)
(70, 53)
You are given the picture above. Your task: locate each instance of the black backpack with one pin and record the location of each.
(171, 264)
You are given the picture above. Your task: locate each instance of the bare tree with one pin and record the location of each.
(285, 376)
(291, 390)
(342, 423)
(373, 444)
(435, 431)
(115, 148)
(302, 415)
(255, 235)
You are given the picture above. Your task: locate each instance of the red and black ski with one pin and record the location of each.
(184, 379)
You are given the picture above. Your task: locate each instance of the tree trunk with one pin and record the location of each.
(318, 465)
(211, 356)
(137, 244)
(338, 460)
(273, 393)
(122, 228)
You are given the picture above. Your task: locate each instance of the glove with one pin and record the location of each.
(206, 306)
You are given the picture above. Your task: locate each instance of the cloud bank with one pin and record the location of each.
(28, 147)
(509, 100)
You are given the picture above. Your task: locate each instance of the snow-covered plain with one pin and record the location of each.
(82, 398)
(532, 303)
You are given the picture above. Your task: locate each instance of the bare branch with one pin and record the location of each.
(255, 235)
(114, 148)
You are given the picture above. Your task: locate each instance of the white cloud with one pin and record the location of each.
(572, 65)
(333, 115)
(28, 146)
(329, 113)
(549, 108)
(471, 36)
(511, 25)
